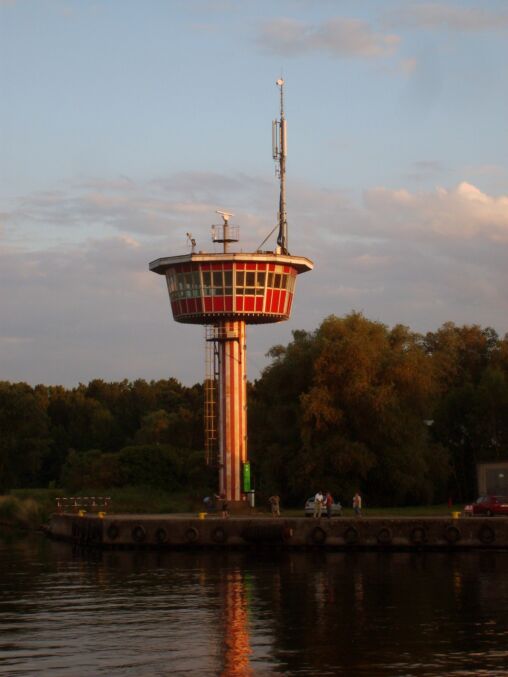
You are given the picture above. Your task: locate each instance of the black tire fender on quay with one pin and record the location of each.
(113, 531)
(384, 536)
(318, 535)
(161, 535)
(486, 534)
(219, 535)
(351, 536)
(138, 533)
(191, 535)
(452, 535)
(418, 536)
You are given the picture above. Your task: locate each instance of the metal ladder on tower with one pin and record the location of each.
(210, 392)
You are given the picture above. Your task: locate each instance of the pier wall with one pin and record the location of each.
(173, 531)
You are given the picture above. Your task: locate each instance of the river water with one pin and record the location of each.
(63, 612)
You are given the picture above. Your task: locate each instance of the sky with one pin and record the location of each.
(126, 124)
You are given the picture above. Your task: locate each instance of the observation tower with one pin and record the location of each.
(225, 291)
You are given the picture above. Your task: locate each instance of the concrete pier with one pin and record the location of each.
(185, 531)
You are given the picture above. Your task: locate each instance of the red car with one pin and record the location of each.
(488, 505)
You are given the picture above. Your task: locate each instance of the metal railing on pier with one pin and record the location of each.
(77, 503)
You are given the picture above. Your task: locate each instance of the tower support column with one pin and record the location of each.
(232, 408)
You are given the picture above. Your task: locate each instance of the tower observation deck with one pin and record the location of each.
(226, 291)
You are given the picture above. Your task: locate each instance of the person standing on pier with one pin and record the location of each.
(224, 504)
(357, 504)
(274, 502)
(328, 504)
(318, 504)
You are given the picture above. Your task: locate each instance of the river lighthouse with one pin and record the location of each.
(225, 291)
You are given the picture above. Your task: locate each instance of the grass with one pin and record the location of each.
(125, 499)
(148, 500)
(414, 511)
(408, 511)
(29, 508)
(24, 513)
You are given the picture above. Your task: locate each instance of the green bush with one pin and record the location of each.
(9, 507)
(26, 513)
(152, 465)
(30, 514)
(91, 469)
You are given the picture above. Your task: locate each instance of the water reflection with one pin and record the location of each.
(65, 612)
(235, 626)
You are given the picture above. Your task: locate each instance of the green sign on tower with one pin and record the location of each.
(246, 476)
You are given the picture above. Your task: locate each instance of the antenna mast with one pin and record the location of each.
(279, 148)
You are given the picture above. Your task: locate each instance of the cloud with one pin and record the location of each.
(419, 258)
(91, 308)
(432, 15)
(462, 213)
(338, 37)
(70, 314)
(167, 206)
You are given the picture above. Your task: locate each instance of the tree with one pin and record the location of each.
(363, 419)
(275, 417)
(24, 435)
(470, 410)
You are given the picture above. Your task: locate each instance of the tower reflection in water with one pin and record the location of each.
(235, 625)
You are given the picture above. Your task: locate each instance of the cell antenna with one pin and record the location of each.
(279, 152)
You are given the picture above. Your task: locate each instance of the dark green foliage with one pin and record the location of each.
(76, 437)
(402, 417)
(156, 466)
(275, 415)
(91, 469)
(24, 435)
(152, 465)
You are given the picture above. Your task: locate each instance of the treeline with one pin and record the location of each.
(102, 435)
(402, 417)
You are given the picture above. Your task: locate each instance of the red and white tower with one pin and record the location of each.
(226, 291)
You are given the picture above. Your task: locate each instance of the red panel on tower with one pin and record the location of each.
(274, 308)
(282, 301)
(268, 301)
